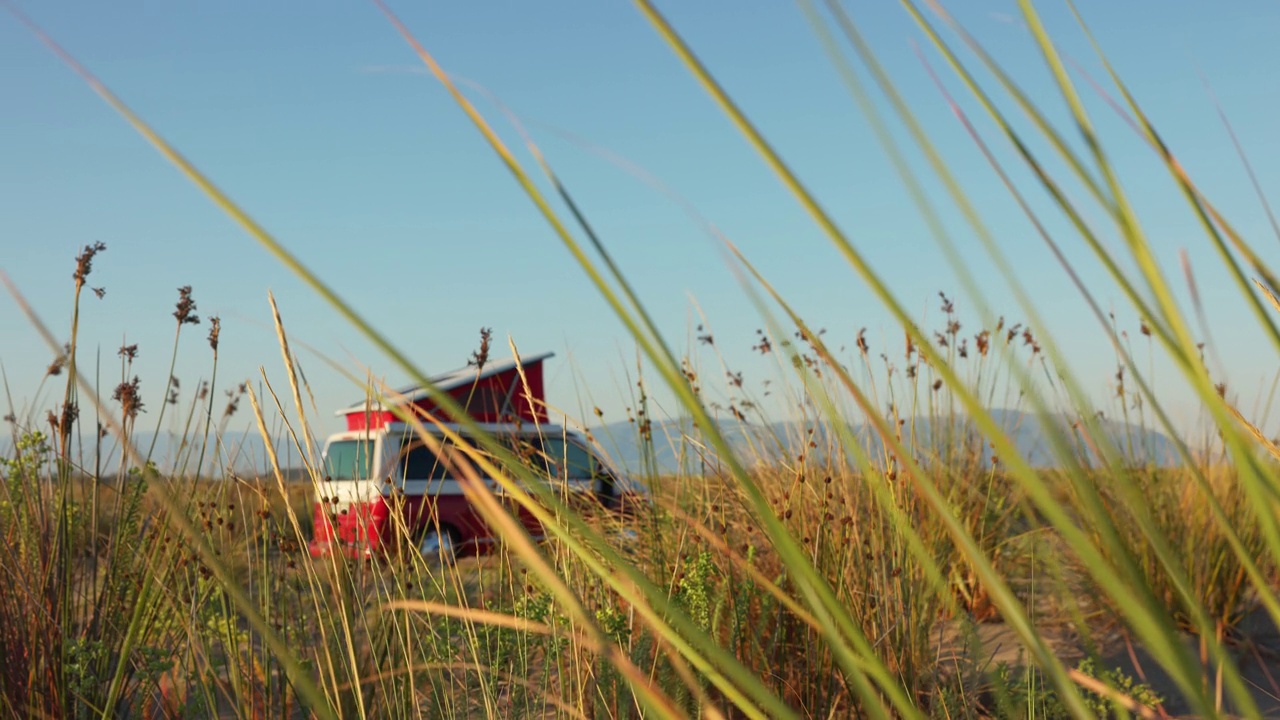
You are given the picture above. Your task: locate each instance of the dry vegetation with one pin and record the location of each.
(901, 572)
(114, 606)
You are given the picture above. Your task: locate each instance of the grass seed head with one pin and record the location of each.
(84, 263)
(481, 356)
(186, 307)
(215, 329)
(764, 347)
(70, 413)
(129, 397)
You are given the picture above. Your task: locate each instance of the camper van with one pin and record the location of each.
(385, 485)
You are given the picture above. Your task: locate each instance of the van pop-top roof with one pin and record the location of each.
(490, 394)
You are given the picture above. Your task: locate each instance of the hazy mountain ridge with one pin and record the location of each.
(241, 451)
(677, 446)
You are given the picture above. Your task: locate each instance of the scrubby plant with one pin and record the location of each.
(812, 576)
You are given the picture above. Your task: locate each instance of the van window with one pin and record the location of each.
(349, 460)
(418, 462)
(526, 449)
(568, 460)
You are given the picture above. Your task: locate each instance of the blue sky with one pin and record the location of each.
(319, 121)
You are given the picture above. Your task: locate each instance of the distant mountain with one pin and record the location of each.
(242, 452)
(678, 446)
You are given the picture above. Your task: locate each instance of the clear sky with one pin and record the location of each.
(320, 122)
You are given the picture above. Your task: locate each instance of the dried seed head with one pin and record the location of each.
(70, 412)
(764, 346)
(84, 262)
(129, 397)
(233, 403)
(128, 352)
(186, 307)
(215, 329)
(481, 356)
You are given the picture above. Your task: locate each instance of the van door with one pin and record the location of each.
(432, 492)
(577, 467)
(528, 451)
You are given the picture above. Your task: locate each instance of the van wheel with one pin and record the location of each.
(439, 545)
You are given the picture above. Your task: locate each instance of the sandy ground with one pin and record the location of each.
(1255, 650)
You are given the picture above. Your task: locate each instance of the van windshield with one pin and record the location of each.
(349, 460)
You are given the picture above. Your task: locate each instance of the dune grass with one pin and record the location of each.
(902, 570)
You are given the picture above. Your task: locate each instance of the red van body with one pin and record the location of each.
(388, 484)
(383, 483)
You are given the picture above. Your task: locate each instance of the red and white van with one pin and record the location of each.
(383, 485)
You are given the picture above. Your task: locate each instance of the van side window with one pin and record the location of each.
(418, 462)
(568, 460)
(527, 450)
